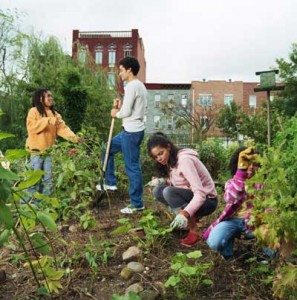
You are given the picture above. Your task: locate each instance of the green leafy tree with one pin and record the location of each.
(228, 119)
(75, 100)
(288, 74)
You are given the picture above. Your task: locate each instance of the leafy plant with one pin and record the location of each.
(275, 207)
(155, 236)
(189, 273)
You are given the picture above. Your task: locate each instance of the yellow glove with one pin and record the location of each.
(245, 158)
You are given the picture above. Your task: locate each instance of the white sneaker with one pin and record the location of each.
(130, 209)
(106, 187)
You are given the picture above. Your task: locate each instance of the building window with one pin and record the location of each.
(157, 122)
(184, 100)
(253, 101)
(127, 50)
(99, 54)
(111, 79)
(111, 58)
(228, 99)
(170, 97)
(98, 57)
(170, 123)
(157, 101)
(205, 100)
(82, 54)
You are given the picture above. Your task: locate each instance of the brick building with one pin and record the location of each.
(194, 97)
(107, 48)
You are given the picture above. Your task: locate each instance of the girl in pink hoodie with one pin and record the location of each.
(188, 189)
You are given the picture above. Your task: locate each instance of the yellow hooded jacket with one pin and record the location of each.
(42, 131)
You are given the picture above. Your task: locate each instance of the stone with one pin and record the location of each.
(135, 287)
(127, 273)
(136, 266)
(72, 228)
(130, 253)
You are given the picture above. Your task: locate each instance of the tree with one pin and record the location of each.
(288, 73)
(200, 119)
(75, 100)
(228, 119)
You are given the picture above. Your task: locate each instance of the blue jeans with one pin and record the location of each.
(222, 236)
(129, 144)
(44, 163)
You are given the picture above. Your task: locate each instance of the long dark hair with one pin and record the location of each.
(234, 160)
(161, 140)
(40, 94)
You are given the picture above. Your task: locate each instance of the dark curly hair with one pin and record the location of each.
(40, 94)
(161, 140)
(130, 62)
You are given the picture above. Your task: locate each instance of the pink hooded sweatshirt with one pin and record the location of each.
(190, 173)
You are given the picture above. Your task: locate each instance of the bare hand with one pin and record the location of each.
(117, 103)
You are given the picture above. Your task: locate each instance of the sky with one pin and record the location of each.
(184, 40)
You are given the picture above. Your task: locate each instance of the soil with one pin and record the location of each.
(233, 279)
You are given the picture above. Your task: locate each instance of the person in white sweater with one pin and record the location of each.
(131, 111)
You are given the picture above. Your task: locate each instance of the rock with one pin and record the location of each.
(131, 253)
(127, 273)
(135, 266)
(136, 288)
(72, 228)
(148, 295)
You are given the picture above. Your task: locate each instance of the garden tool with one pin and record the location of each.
(100, 194)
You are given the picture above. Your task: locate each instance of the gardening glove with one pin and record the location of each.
(245, 158)
(180, 222)
(156, 181)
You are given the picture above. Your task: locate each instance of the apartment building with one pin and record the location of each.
(198, 97)
(156, 120)
(107, 48)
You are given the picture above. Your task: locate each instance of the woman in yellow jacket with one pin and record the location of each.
(43, 125)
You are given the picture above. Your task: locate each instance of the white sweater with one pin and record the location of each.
(133, 107)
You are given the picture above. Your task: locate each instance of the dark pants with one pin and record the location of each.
(178, 198)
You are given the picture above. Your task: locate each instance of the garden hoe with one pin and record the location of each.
(101, 194)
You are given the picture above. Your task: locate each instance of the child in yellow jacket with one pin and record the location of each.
(43, 125)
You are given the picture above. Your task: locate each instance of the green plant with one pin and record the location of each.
(275, 207)
(98, 251)
(155, 236)
(23, 221)
(214, 156)
(189, 273)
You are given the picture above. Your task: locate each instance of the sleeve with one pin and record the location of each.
(235, 187)
(191, 174)
(128, 102)
(65, 132)
(35, 124)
